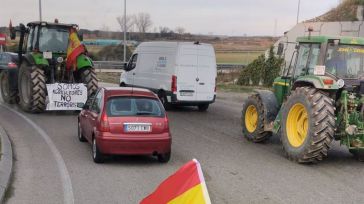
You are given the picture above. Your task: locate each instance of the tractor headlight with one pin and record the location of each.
(340, 83)
(60, 59)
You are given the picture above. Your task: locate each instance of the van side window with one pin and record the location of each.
(133, 62)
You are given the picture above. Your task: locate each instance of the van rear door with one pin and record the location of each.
(187, 72)
(206, 73)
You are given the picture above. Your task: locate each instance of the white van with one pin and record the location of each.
(181, 73)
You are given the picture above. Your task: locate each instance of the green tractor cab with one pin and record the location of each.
(318, 98)
(45, 51)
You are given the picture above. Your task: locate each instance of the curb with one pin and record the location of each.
(6, 163)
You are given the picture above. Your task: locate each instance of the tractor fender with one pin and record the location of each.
(271, 107)
(83, 61)
(35, 59)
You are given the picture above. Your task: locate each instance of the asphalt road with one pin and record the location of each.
(51, 166)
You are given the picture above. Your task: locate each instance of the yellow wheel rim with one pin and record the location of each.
(297, 125)
(251, 118)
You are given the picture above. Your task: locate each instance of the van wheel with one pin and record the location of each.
(203, 107)
(163, 98)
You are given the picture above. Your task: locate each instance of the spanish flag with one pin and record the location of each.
(186, 186)
(75, 48)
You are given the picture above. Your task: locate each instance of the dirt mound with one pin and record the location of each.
(345, 11)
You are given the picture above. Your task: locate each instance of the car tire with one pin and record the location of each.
(97, 156)
(81, 138)
(164, 158)
(203, 107)
(9, 96)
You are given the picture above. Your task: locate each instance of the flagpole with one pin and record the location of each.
(298, 10)
(124, 30)
(40, 10)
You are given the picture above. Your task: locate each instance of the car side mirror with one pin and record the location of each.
(125, 66)
(86, 106)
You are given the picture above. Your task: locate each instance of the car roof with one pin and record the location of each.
(128, 91)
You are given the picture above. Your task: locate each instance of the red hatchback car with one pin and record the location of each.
(125, 121)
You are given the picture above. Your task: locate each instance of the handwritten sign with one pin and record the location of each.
(66, 96)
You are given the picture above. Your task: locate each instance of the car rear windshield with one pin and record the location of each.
(127, 106)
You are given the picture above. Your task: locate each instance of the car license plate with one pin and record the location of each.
(186, 93)
(137, 128)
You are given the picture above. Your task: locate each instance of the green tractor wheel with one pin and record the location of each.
(88, 77)
(8, 95)
(307, 125)
(253, 120)
(32, 89)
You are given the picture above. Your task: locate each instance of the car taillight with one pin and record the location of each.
(174, 84)
(104, 123)
(12, 65)
(166, 123)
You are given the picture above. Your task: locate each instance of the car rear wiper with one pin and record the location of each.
(144, 113)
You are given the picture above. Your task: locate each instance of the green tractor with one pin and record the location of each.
(318, 98)
(44, 54)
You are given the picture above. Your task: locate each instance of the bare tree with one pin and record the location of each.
(143, 22)
(163, 30)
(180, 30)
(129, 23)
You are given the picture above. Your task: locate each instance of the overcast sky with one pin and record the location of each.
(220, 17)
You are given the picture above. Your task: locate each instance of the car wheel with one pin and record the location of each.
(81, 138)
(97, 156)
(164, 158)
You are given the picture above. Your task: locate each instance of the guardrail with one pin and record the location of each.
(118, 65)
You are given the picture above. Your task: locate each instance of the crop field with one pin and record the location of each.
(237, 57)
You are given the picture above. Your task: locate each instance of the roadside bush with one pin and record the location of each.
(113, 53)
(261, 71)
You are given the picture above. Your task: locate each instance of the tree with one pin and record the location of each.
(180, 30)
(163, 30)
(129, 23)
(143, 22)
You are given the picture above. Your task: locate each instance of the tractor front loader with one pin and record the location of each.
(51, 54)
(319, 98)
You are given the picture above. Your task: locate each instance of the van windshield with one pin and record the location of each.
(135, 106)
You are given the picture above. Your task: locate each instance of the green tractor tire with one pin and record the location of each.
(32, 89)
(307, 125)
(253, 120)
(88, 77)
(9, 96)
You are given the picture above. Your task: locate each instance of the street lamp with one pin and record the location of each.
(298, 10)
(124, 30)
(40, 10)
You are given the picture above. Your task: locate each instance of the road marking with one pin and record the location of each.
(65, 177)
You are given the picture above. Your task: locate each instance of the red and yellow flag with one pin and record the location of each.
(75, 48)
(186, 186)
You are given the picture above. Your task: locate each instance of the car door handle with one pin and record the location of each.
(202, 83)
(134, 73)
(93, 119)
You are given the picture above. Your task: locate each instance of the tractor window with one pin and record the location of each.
(303, 54)
(53, 39)
(31, 41)
(313, 59)
(345, 61)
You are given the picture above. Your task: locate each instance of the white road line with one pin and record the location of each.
(65, 177)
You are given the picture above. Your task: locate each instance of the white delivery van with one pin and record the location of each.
(181, 73)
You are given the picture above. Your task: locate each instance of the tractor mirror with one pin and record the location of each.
(280, 49)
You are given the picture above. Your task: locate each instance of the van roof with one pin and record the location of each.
(128, 91)
(171, 43)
